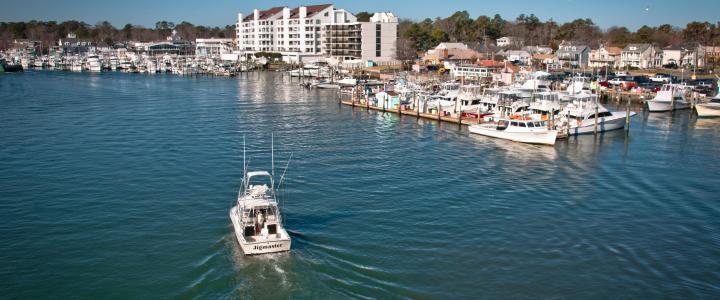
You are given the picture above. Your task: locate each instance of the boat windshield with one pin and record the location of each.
(502, 125)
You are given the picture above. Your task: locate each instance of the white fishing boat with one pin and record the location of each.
(668, 98)
(76, 65)
(93, 63)
(524, 131)
(710, 109)
(256, 216)
(324, 84)
(580, 114)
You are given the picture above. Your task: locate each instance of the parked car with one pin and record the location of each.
(664, 78)
(623, 82)
(639, 79)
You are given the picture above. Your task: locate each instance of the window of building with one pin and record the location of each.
(377, 53)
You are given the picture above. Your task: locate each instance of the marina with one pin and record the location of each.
(359, 150)
(634, 210)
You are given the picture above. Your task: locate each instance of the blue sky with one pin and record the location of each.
(630, 13)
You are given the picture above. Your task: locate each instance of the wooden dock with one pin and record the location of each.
(415, 113)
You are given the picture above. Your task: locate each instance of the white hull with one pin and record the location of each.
(617, 121)
(664, 105)
(326, 86)
(279, 242)
(708, 110)
(541, 137)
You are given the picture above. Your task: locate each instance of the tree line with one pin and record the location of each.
(104, 33)
(414, 36)
(460, 27)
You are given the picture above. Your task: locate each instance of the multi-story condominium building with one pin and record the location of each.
(310, 32)
(643, 56)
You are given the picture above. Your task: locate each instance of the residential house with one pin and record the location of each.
(548, 61)
(641, 56)
(509, 41)
(605, 57)
(521, 57)
(485, 49)
(573, 55)
(683, 56)
(538, 49)
(711, 54)
(450, 54)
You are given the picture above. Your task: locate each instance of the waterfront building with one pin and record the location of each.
(379, 37)
(213, 47)
(173, 45)
(73, 45)
(472, 71)
(573, 55)
(605, 57)
(450, 54)
(308, 33)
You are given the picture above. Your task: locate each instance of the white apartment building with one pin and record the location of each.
(379, 37)
(307, 33)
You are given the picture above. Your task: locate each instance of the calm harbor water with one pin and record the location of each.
(118, 186)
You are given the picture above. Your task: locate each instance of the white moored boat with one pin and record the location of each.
(524, 131)
(580, 116)
(256, 217)
(710, 109)
(668, 98)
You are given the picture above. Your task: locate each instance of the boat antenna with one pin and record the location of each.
(244, 164)
(272, 155)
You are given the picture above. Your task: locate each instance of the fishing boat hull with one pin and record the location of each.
(708, 110)
(541, 137)
(273, 243)
(665, 105)
(326, 86)
(614, 122)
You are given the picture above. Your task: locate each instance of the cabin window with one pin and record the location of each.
(272, 229)
(531, 124)
(249, 231)
(523, 125)
(513, 123)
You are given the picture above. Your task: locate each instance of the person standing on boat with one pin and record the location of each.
(260, 222)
